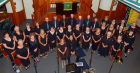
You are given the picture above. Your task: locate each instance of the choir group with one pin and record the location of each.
(103, 37)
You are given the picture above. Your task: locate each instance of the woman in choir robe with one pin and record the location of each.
(86, 39)
(77, 35)
(107, 21)
(96, 38)
(9, 45)
(117, 48)
(23, 54)
(121, 25)
(33, 46)
(37, 29)
(69, 32)
(106, 44)
(28, 30)
(133, 27)
(52, 38)
(60, 34)
(71, 44)
(18, 34)
(103, 29)
(111, 29)
(62, 52)
(43, 43)
(128, 42)
(119, 32)
(114, 23)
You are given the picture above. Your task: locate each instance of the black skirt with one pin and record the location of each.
(43, 49)
(34, 54)
(95, 46)
(25, 62)
(103, 51)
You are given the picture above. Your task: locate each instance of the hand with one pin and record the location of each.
(95, 41)
(26, 58)
(125, 44)
(35, 50)
(53, 41)
(14, 38)
(63, 53)
(44, 44)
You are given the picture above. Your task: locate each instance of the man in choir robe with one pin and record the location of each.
(55, 22)
(87, 22)
(64, 21)
(72, 20)
(80, 21)
(94, 16)
(95, 24)
(46, 25)
(106, 19)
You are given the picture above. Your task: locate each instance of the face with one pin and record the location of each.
(94, 15)
(6, 35)
(52, 29)
(123, 21)
(109, 34)
(28, 26)
(72, 16)
(64, 16)
(88, 16)
(87, 29)
(120, 29)
(46, 19)
(71, 37)
(111, 26)
(106, 17)
(113, 22)
(61, 28)
(95, 19)
(103, 24)
(77, 26)
(32, 37)
(62, 40)
(134, 25)
(131, 33)
(80, 17)
(37, 24)
(16, 28)
(98, 31)
(69, 26)
(55, 17)
(119, 38)
(42, 31)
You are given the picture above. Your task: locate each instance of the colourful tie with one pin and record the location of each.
(55, 24)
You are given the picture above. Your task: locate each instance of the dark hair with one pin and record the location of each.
(5, 33)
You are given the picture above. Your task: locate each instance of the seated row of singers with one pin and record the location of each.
(106, 39)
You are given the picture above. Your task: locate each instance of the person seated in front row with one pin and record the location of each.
(9, 46)
(23, 54)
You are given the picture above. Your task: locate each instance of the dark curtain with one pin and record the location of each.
(60, 9)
